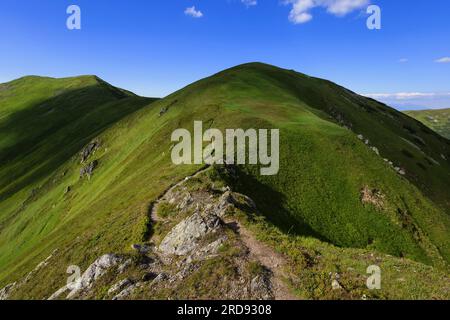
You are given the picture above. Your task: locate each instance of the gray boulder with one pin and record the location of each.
(89, 169)
(88, 150)
(95, 270)
(184, 237)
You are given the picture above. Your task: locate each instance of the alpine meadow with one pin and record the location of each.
(87, 180)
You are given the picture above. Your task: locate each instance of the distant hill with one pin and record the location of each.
(438, 120)
(83, 162)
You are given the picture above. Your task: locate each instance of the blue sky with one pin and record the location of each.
(154, 47)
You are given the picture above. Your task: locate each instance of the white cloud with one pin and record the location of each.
(406, 95)
(443, 60)
(250, 3)
(193, 12)
(403, 60)
(300, 12)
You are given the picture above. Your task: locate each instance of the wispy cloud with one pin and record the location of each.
(443, 60)
(408, 100)
(301, 9)
(403, 60)
(250, 3)
(193, 12)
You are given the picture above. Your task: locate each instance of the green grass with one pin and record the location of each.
(46, 122)
(437, 120)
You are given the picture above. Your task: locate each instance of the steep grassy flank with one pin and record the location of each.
(438, 120)
(324, 167)
(44, 121)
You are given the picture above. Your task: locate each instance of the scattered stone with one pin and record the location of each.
(160, 278)
(400, 171)
(372, 196)
(375, 149)
(335, 285)
(6, 291)
(89, 169)
(162, 111)
(119, 286)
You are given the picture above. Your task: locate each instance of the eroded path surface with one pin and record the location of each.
(270, 259)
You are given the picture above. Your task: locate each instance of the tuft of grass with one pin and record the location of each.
(166, 210)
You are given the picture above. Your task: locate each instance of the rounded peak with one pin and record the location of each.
(264, 68)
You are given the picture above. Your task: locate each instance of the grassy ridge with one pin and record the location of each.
(437, 120)
(317, 193)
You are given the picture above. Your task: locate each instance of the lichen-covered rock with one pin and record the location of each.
(125, 293)
(184, 237)
(119, 286)
(6, 291)
(209, 251)
(88, 150)
(124, 266)
(261, 288)
(89, 169)
(95, 270)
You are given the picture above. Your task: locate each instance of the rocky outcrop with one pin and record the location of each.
(119, 286)
(127, 291)
(6, 291)
(185, 236)
(260, 287)
(89, 150)
(93, 272)
(196, 232)
(89, 169)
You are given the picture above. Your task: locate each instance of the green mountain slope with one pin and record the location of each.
(326, 170)
(437, 120)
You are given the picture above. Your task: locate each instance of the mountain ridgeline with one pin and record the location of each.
(82, 162)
